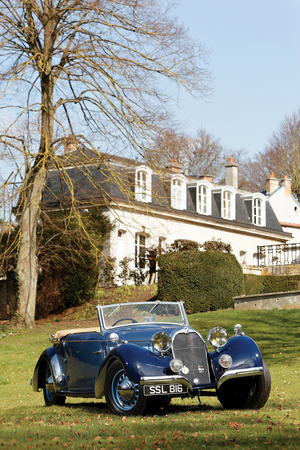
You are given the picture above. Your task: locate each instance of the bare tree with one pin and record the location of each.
(89, 69)
(171, 144)
(206, 155)
(203, 152)
(281, 155)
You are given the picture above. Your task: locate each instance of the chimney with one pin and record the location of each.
(71, 144)
(231, 174)
(207, 178)
(173, 166)
(287, 183)
(272, 183)
(186, 168)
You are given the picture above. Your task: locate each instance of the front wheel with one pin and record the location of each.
(50, 397)
(246, 393)
(123, 397)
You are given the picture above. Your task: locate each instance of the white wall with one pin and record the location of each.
(287, 210)
(244, 241)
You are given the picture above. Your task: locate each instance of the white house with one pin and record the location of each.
(285, 205)
(152, 208)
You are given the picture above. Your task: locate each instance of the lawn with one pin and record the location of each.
(25, 423)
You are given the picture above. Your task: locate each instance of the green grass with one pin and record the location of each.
(25, 423)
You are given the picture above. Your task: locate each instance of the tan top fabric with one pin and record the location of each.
(62, 333)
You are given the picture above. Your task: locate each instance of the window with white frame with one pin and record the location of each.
(176, 201)
(178, 191)
(228, 204)
(258, 211)
(202, 199)
(201, 192)
(140, 250)
(143, 184)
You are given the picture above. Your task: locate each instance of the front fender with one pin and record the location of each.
(51, 356)
(136, 361)
(244, 352)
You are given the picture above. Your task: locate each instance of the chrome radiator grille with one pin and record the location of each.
(189, 347)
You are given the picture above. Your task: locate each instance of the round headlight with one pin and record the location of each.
(161, 341)
(176, 365)
(225, 361)
(217, 337)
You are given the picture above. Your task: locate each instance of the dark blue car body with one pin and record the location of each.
(152, 357)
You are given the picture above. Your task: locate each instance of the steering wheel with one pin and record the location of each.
(125, 318)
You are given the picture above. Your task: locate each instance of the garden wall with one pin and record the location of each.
(279, 300)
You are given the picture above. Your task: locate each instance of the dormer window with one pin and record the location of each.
(178, 191)
(256, 207)
(259, 210)
(202, 199)
(201, 194)
(177, 194)
(228, 203)
(143, 184)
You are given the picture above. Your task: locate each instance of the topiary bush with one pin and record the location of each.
(205, 281)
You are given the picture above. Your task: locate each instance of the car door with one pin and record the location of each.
(82, 355)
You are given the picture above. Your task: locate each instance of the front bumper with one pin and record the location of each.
(168, 379)
(230, 374)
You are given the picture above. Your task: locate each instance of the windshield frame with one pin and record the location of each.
(104, 327)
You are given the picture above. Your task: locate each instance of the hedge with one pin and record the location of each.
(205, 281)
(263, 284)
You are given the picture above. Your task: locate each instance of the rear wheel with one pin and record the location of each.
(50, 397)
(123, 397)
(246, 393)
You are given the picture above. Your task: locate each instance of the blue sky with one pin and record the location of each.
(255, 64)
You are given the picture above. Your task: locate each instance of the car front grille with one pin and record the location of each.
(191, 350)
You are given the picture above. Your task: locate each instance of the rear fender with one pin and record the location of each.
(244, 352)
(51, 356)
(136, 361)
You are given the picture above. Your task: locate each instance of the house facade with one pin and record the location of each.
(285, 205)
(150, 208)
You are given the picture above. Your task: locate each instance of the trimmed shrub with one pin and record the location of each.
(205, 281)
(263, 284)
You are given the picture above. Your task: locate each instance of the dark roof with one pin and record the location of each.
(96, 181)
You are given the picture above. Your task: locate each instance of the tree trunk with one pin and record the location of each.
(27, 263)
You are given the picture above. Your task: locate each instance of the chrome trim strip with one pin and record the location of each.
(239, 374)
(101, 322)
(165, 380)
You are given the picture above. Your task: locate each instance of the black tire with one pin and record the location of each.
(246, 393)
(117, 403)
(50, 397)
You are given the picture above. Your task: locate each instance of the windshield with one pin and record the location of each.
(131, 313)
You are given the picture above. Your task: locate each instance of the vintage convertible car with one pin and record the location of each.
(146, 353)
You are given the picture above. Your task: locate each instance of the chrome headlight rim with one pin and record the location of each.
(217, 337)
(225, 361)
(176, 365)
(161, 341)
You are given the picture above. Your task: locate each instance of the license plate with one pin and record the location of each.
(165, 389)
